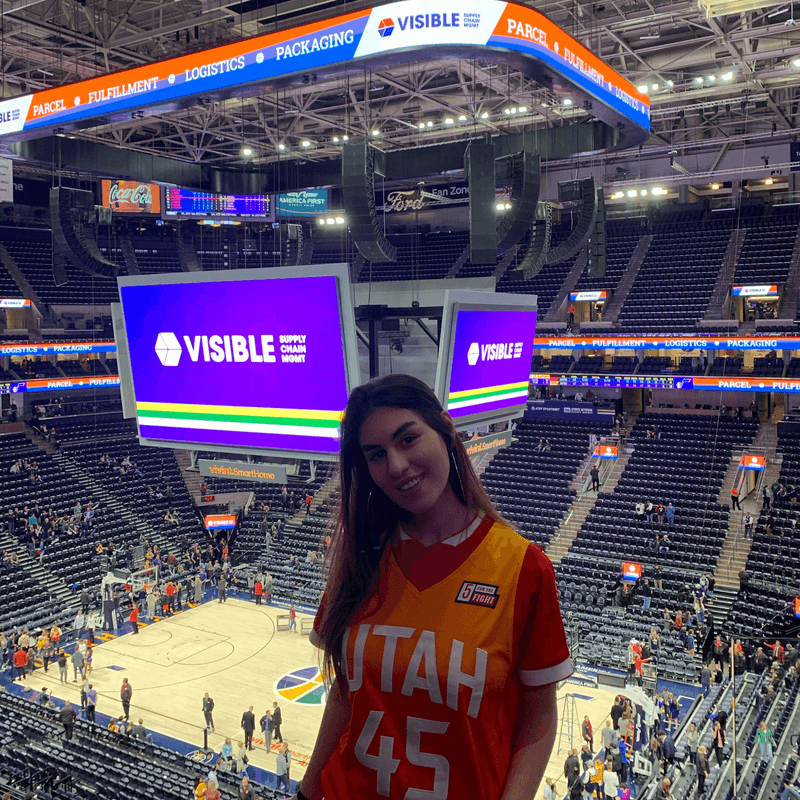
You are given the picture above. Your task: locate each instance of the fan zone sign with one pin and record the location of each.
(393, 34)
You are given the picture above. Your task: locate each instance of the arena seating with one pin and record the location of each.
(548, 282)
(622, 365)
(532, 489)
(774, 559)
(622, 236)
(768, 367)
(767, 249)
(730, 365)
(419, 257)
(659, 470)
(653, 365)
(95, 764)
(676, 279)
(31, 249)
(156, 255)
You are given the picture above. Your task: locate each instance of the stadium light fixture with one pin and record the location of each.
(632, 193)
(654, 86)
(642, 88)
(712, 78)
(769, 181)
(247, 151)
(281, 147)
(448, 120)
(321, 220)
(462, 118)
(796, 62)
(340, 220)
(714, 186)
(523, 109)
(485, 115)
(345, 137)
(421, 126)
(698, 79)
(567, 101)
(618, 195)
(376, 132)
(643, 193)
(429, 124)
(727, 76)
(305, 143)
(657, 191)
(335, 138)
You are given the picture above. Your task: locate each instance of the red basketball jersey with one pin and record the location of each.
(434, 664)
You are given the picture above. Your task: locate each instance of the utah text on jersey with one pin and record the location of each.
(478, 594)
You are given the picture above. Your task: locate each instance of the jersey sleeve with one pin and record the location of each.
(543, 654)
(314, 635)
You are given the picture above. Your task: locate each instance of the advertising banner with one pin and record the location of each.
(6, 180)
(47, 385)
(131, 197)
(272, 375)
(590, 296)
(491, 361)
(549, 409)
(753, 462)
(55, 348)
(346, 43)
(242, 471)
(605, 451)
(6, 302)
(492, 441)
(217, 522)
(713, 383)
(765, 290)
(306, 203)
(758, 342)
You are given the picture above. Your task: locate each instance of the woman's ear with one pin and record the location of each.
(445, 415)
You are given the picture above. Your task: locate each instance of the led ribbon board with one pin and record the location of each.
(248, 361)
(392, 34)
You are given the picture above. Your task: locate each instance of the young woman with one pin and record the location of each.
(440, 624)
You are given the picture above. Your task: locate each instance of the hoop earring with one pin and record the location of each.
(458, 475)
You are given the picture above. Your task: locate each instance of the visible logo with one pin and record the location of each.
(386, 27)
(420, 21)
(499, 351)
(168, 349)
(478, 594)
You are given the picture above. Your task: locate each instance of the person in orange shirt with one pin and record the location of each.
(134, 619)
(55, 635)
(440, 627)
(258, 590)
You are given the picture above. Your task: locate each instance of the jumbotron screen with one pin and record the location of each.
(491, 356)
(186, 203)
(240, 364)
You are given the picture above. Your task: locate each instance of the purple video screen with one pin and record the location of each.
(242, 364)
(491, 361)
(183, 202)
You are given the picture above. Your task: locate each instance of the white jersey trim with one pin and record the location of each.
(543, 677)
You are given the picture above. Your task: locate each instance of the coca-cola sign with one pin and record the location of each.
(131, 197)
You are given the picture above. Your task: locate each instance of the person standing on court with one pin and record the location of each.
(125, 694)
(248, 726)
(588, 733)
(415, 521)
(277, 719)
(258, 590)
(222, 584)
(208, 708)
(198, 590)
(91, 703)
(292, 618)
(134, 618)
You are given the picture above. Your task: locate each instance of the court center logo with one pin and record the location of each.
(473, 353)
(305, 686)
(168, 349)
(386, 27)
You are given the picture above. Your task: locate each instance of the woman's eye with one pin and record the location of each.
(408, 439)
(376, 455)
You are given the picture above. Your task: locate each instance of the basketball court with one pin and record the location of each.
(236, 653)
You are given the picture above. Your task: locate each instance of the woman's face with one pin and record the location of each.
(407, 459)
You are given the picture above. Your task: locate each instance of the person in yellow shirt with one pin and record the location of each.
(199, 788)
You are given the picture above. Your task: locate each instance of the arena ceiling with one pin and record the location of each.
(714, 82)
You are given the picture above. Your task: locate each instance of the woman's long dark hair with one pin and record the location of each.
(367, 518)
